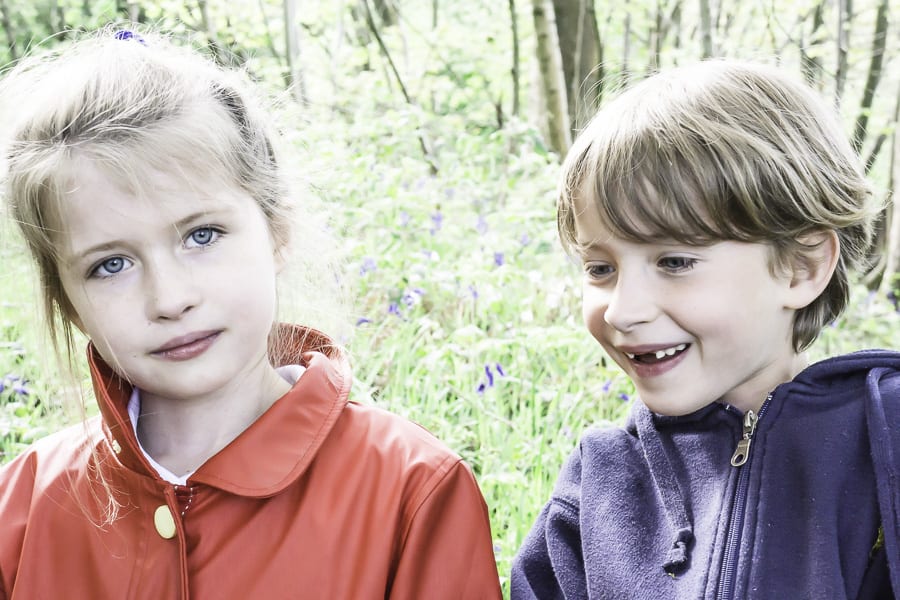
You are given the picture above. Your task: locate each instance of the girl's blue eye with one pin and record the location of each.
(111, 266)
(203, 236)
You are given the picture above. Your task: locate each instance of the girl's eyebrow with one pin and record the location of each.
(206, 215)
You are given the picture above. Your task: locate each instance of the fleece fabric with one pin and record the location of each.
(656, 510)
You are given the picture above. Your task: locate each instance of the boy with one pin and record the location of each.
(717, 211)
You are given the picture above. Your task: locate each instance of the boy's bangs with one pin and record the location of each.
(652, 191)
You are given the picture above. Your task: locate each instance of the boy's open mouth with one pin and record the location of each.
(663, 354)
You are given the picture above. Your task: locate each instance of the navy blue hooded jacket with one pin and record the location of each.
(656, 509)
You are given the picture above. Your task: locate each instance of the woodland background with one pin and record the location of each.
(430, 132)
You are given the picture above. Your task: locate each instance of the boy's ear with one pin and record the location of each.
(811, 268)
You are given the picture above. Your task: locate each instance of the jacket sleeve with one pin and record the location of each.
(448, 552)
(550, 563)
(16, 489)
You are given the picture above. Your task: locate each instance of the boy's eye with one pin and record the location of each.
(677, 263)
(597, 271)
(111, 266)
(202, 236)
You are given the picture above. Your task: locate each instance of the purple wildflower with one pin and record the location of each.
(437, 220)
(500, 370)
(362, 321)
(481, 387)
(606, 385)
(489, 375)
(499, 259)
(19, 388)
(394, 309)
(624, 397)
(473, 292)
(368, 265)
(524, 240)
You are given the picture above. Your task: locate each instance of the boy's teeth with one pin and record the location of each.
(661, 354)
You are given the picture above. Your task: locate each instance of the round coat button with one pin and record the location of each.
(165, 524)
(116, 447)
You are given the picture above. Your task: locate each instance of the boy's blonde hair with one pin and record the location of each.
(132, 104)
(725, 150)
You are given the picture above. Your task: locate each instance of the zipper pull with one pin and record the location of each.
(742, 452)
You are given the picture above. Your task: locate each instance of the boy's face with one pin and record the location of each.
(690, 325)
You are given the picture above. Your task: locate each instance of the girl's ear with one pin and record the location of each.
(812, 267)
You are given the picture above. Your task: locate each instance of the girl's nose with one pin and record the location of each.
(630, 303)
(171, 290)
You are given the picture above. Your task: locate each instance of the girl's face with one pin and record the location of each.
(175, 288)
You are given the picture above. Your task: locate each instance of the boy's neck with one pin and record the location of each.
(754, 394)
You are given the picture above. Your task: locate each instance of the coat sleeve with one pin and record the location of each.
(550, 563)
(448, 551)
(16, 488)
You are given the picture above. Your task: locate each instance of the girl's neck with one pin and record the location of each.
(182, 434)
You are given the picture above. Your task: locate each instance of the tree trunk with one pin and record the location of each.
(810, 56)
(576, 28)
(295, 80)
(845, 14)
(874, 76)
(890, 280)
(10, 31)
(387, 12)
(552, 77)
(514, 22)
(706, 41)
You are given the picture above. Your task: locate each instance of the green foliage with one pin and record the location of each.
(466, 310)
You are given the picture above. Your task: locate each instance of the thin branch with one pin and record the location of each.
(372, 27)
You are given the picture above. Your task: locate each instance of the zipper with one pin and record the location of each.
(738, 507)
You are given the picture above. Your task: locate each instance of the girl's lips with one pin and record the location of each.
(186, 347)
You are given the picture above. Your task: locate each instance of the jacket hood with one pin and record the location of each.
(291, 431)
(873, 375)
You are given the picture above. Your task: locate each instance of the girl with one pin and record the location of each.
(227, 461)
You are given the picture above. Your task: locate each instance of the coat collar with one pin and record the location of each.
(271, 453)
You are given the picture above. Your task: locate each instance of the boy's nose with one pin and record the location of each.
(631, 302)
(171, 290)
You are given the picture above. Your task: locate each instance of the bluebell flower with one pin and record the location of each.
(606, 385)
(489, 375)
(19, 388)
(437, 220)
(500, 370)
(473, 292)
(498, 259)
(394, 309)
(368, 265)
(624, 397)
(481, 387)
(362, 321)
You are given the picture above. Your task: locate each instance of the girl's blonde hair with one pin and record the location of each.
(725, 150)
